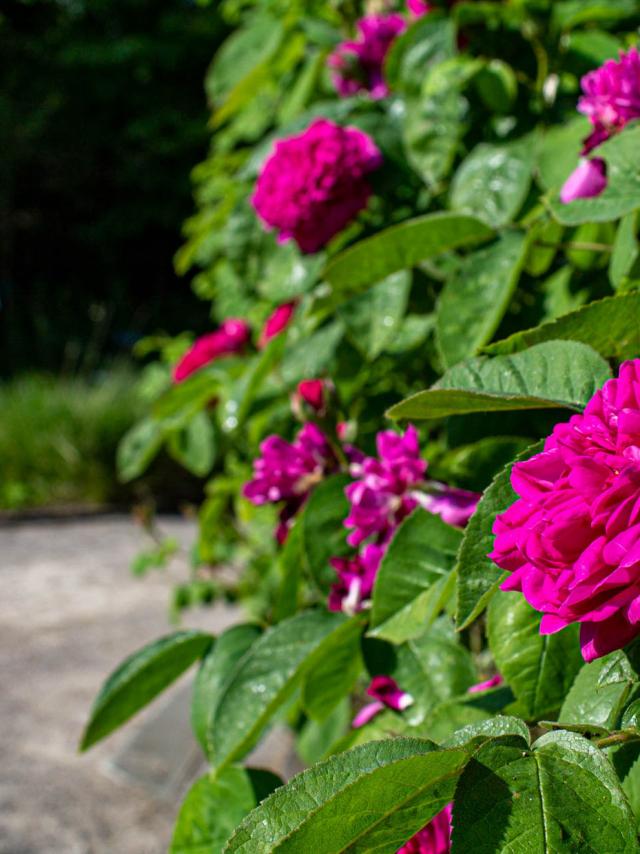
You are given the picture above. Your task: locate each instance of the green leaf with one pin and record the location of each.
(539, 668)
(624, 269)
(422, 551)
(474, 300)
(194, 446)
(622, 194)
(561, 796)
(400, 247)
(137, 448)
(493, 181)
(290, 568)
(242, 393)
(139, 679)
(433, 668)
(310, 355)
(610, 326)
(265, 677)
(333, 677)
(217, 667)
(497, 86)
(572, 13)
(214, 807)
(600, 691)
(478, 577)
(317, 738)
(323, 532)
(477, 734)
(552, 375)
(372, 798)
(375, 317)
(425, 43)
(559, 151)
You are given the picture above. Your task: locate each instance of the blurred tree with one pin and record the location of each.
(102, 116)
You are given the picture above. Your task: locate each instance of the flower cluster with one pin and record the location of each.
(358, 64)
(386, 490)
(231, 337)
(288, 471)
(571, 542)
(611, 99)
(435, 838)
(315, 184)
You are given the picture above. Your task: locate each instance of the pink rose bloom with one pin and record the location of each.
(454, 506)
(231, 337)
(356, 577)
(315, 184)
(288, 471)
(571, 542)
(277, 321)
(435, 838)
(386, 694)
(496, 680)
(380, 498)
(611, 96)
(587, 180)
(358, 64)
(418, 8)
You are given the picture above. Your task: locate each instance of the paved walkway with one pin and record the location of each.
(69, 612)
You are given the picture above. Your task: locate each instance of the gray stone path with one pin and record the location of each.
(69, 612)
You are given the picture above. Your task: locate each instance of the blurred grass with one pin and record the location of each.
(58, 438)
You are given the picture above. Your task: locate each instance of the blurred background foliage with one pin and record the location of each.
(103, 115)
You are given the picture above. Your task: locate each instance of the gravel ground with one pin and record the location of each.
(69, 612)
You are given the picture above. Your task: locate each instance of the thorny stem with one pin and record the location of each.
(617, 738)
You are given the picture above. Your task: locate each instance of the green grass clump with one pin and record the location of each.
(58, 438)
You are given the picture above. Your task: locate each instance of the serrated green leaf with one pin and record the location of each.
(139, 679)
(374, 317)
(265, 677)
(400, 247)
(561, 796)
(426, 42)
(622, 193)
(474, 300)
(310, 355)
(624, 268)
(552, 375)
(493, 181)
(479, 733)
(372, 798)
(478, 577)
(422, 552)
(559, 151)
(333, 678)
(610, 326)
(539, 668)
(214, 807)
(433, 668)
(323, 534)
(216, 668)
(600, 691)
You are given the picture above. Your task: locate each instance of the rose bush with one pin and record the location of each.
(418, 417)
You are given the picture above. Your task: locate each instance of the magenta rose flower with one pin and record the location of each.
(493, 682)
(571, 542)
(352, 591)
(435, 838)
(315, 184)
(314, 393)
(276, 323)
(358, 64)
(386, 694)
(418, 8)
(288, 471)
(611, 96)
(231, 337)
(587, 180)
